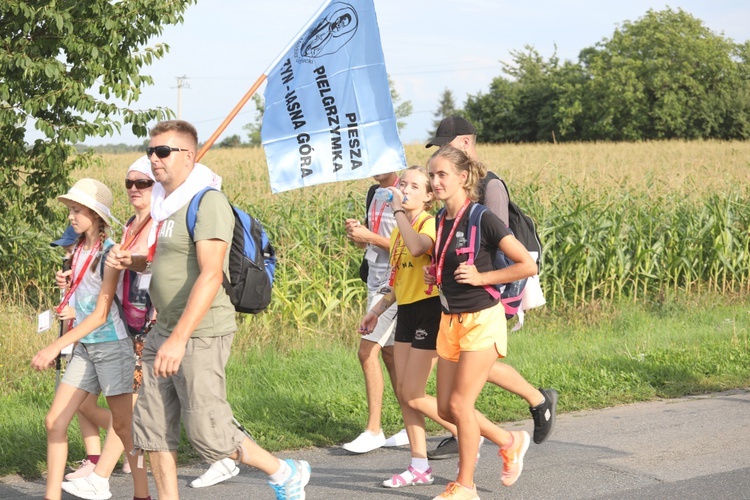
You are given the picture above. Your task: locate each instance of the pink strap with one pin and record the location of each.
(470, 261)
(419, 477)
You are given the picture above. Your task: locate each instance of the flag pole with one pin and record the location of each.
(210, 142)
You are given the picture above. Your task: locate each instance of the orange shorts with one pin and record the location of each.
(475, 331)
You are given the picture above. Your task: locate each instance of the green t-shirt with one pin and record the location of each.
(175, 267)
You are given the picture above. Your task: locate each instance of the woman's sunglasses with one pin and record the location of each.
(138, 183)
(162, 151)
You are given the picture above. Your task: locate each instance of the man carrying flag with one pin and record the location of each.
(185, 355)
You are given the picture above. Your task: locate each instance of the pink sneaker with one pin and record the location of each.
(513, 457)
(86, 468)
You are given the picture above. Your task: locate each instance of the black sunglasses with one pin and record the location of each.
(138, 183)
(162, 151)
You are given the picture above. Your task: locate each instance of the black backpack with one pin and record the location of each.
(252, 259)
(522, 225)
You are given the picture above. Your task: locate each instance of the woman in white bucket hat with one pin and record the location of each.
(103, 360)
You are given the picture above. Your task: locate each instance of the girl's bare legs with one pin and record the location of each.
(64, 406)
(459, 384)
(91, 417)
(413, 368)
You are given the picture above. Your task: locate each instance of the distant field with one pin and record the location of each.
(688, 168)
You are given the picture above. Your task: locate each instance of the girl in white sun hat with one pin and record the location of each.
(103, 360)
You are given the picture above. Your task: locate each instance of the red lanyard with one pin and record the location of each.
(77, 280)
(129, 242)
(152, 248)
(395, 249)
(376, 220)
(441, 257)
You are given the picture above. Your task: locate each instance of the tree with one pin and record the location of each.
(253, 128)
(233, 141)
(401, 109)
(666, 76)
(61, 66)
(522, 107)
(446, 108)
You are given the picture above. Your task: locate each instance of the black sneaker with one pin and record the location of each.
(448, 448)
(544, 415)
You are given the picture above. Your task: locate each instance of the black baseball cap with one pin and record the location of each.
(449, 129)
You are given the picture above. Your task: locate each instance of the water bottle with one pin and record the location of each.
(383, 194)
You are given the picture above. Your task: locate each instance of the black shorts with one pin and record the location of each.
(418, 323)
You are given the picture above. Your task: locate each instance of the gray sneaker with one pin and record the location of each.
(448, 448)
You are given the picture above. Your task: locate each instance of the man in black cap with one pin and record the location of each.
(461, 134)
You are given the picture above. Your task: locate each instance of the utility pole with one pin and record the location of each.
(181, 84)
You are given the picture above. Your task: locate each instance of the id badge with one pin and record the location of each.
(144, 280)
(443, 300)
(370, 254)
(44, 320)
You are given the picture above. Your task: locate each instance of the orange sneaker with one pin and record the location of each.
(456, 491)
(513, 457)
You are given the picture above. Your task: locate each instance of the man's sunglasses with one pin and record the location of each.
(138, 183)
(162, 151)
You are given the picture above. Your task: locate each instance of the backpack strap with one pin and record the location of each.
(368, 202)
(192, 213)
(475, 242)
(192, 216)
(475, 221)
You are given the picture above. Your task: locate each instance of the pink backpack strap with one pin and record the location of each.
(472, 251)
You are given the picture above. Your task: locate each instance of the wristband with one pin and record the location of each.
(397, 211)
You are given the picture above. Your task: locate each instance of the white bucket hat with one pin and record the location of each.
(142, 165)
(91, 194)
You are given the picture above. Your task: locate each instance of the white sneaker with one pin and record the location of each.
(401, 438)
(218, 472)
(366, 442)
(89, 487)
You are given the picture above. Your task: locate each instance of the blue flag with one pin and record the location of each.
(328, 110)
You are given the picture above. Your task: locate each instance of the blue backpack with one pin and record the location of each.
(510, 294)
(252, 259)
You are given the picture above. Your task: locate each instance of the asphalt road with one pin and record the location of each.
(689, 448)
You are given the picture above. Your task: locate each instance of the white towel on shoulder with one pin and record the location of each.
(162, 206)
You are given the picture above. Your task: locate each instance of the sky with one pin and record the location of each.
(429, 45)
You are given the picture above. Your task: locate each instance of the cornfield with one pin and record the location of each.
(617, 221)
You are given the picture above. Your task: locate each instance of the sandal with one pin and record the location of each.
(410, 477)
